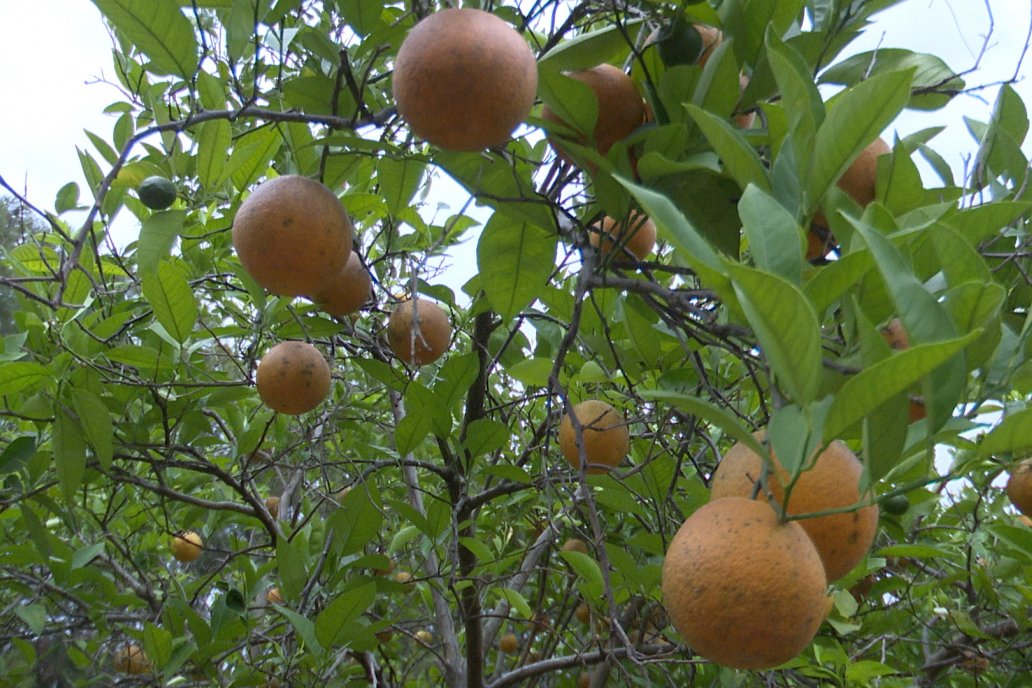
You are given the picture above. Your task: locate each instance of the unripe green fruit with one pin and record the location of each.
(157, 193)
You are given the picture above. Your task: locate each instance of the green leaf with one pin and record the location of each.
(399, 179)
(515, 260)
(86, 554)
(587, 569)
(738, 157)
(332, 624)
(588, 49)
(304, 627)
(778, 16)
(787, 329)
(516, 601)
(857, 117)
(22, 376)
(929, 72)
(292, 564)
(157, 236)
(97, 427)
(17, 454)
(799, 96)
(532, 372)
(674, 227)
(871, 387)
(775, 238)
(456, 376)
(157, 645)
(69, 451)
(484, 436)
(1013, 434)
(711, 413)
(357, 521)
(172, 299)
(252, 155)
(159, 29)
(213, 144)
(420, 401)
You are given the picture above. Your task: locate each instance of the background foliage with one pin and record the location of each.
(128, 410)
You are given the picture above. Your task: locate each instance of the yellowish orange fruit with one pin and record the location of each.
(402, 577)
(841, 539)
(711, 38)
(418, 332)
(583, 613)
(637, 234)
(621, 108)
(464, 79)
(895, 335)
(424, 636)
(293, 378)
(742, 589)
(348, 291)
(272, 504)
(131, 659)
(606, 439)
(744, 120)
(584, 680)
(187, 546)
(1019, 487)
(575, 545)
(508, 643)
(292, 235)
(274, 596)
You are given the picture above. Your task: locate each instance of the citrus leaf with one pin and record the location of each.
(929, 72)
(1013, 434)
(22, 376)
(589, 49)
(170, 296)
(870, 388)
(331, 626)
(856, 118)
(399, 180)
(786, 326)
(159, 29)
(157, 236)
(484, 436)
(213, 142)
(711, 413)
(69, 451)
(304, 627)
(515, 260)
(95, 421)
(775, 238)
(738, 157)
(251, 156)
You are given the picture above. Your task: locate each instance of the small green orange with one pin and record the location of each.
(157, 193)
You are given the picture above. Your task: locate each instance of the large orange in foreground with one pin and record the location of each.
(292, 235)
(464, 79)
(842, 539)
(293, 378)
(604, 433)
(743, 590)
(1019, 487)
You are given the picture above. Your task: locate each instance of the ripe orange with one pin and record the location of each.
(621, 108)
(418, 332)
(509, 643)
(637, 235)
(858, 181)
(583, 613)
(606, 439)
(584, 680)
(131, 659)
(744, 120)
(841, 539)
(293, 378)
(743, 590)
(1019, 487)
(292, 235)
(187, 546)
(272, 504)
(464, 79)
(274, 596)
(895, 335)
(575, 545)
(348, 291)
(711, 38)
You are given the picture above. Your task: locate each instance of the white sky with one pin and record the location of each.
(55, 52)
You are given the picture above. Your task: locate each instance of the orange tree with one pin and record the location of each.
(420, 513)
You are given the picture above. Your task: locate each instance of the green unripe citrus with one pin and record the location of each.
(157, 193)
